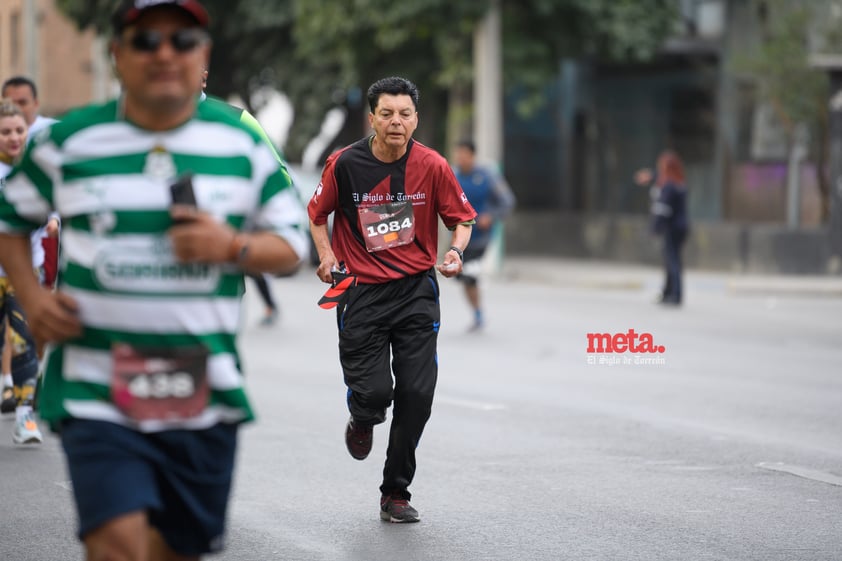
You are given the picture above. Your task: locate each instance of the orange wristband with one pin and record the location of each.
(238, 249)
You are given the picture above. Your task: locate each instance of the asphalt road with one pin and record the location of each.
(727, 447)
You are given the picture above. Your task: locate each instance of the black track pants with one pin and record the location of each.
(400, 318)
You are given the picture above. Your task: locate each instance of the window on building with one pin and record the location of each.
(692, 122)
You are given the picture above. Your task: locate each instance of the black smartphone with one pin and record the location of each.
(181, 191)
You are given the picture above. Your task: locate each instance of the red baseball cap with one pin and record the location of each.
(130, 10)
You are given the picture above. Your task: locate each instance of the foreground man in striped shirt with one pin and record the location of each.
(164, 203)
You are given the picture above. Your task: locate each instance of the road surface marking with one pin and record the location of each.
(800, 471)
(469, 404)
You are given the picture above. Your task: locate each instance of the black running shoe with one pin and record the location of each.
(358, 438)
(9, 402)
(394, 508)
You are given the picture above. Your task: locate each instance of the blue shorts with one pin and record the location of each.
(181, 478)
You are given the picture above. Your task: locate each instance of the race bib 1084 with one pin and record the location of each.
(389, 225)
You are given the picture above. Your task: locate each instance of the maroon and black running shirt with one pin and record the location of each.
(386, 222)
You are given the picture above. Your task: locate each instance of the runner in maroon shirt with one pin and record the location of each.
(387, 192)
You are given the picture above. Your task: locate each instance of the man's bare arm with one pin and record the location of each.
(327, 259)
(203, 239)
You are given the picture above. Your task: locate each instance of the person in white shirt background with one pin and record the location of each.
(23, 93)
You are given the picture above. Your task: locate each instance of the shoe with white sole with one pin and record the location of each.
(26, 431)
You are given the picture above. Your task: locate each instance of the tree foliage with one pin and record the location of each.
(797, 92)
(780, 60)
(249, 37)
(428, 41)
(320, 52)
(539, 33)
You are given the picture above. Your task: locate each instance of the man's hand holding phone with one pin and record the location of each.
(197, 236)
(183, 206)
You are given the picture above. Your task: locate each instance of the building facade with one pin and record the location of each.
(69, 67)
(604, 121)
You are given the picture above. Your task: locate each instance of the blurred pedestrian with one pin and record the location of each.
(164, 202)
(12, 142)
(23, 93)
(18, 360)
(13, 131)
(270, 308)
(491, 197)
(387, 192)
(669, 219)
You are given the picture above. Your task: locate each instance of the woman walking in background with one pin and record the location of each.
(669, 218)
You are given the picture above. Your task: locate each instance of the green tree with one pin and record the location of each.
(322, 52)
(431, 41)
(249, 37)
(539, 33)
(797, 93)
(428, 41)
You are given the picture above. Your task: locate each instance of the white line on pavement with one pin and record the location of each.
(469, 404)
(806, 473)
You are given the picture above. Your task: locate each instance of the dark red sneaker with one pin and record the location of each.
(394, 508)
(358, 438)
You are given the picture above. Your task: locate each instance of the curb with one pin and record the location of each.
(784, 287)
(606, 275)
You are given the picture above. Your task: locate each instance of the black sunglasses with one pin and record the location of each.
(183, 40)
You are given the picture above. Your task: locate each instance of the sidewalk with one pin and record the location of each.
(609, 275)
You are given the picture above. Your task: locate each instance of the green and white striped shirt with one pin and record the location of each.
(109, 182)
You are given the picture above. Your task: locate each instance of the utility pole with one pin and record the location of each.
(488, 105)
(797, 153)
(488, 86)
(30, 38)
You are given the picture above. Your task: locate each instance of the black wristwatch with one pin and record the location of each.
(458, 252)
